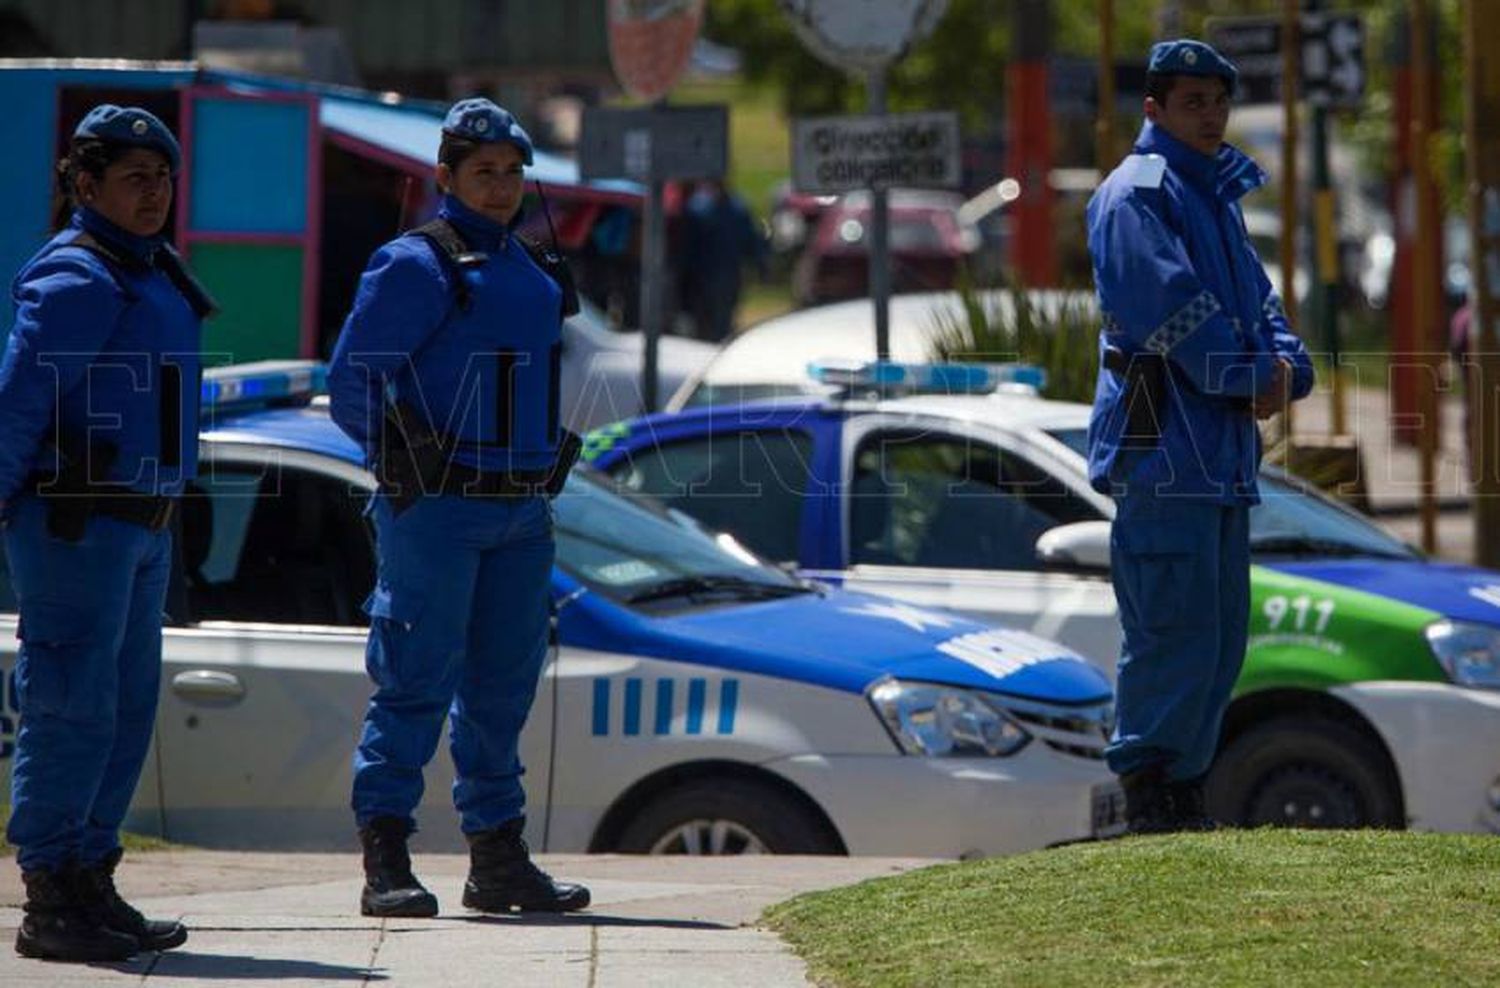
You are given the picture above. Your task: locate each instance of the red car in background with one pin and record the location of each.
(928, 247)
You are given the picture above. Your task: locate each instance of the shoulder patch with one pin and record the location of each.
(1144, 171)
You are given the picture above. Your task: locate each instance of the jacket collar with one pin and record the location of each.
(141, 248)
(479, 231)
(1228, 175)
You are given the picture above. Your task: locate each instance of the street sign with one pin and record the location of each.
(656, 143)
(650, 42)
(911, 150)
(862, 36)
(1333, 57)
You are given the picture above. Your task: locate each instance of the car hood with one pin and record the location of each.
(848, 641)
(1461, 593)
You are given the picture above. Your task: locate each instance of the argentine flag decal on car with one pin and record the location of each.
(664, 707)
(1001, 652)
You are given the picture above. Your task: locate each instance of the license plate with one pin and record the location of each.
(1108, 810)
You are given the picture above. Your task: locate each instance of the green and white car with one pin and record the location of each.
(1371, 689)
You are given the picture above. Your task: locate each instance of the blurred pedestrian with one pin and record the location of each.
(719, 238)
(1195, 348)
(98, 437)
(446, 374)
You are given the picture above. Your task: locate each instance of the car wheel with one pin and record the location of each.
(733, 816)
(1303, 773)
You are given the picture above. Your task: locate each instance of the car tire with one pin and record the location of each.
(1315, 773)
(726, 816)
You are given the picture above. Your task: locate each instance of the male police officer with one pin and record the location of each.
(1195, 348)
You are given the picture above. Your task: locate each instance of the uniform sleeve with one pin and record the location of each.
(1151, 290)
(403, 297)
(66, 308)
(1284, 342)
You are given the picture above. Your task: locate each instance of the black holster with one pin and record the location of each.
(1145, 395)
(69, 491)
(412, 457)
(569, 446)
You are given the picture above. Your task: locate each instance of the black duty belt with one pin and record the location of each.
(462, 480)
(146, 510)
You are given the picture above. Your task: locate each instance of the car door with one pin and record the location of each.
(944, 514)
(264, 691)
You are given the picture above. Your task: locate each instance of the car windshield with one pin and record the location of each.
(631, 549)
(1293, 520)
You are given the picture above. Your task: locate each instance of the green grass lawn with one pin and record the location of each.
(1267, 907)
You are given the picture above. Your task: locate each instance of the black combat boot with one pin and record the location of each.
(95, 885)
(1148, 805)
(57, 927)
(502, 877)
(390, 887)
(1189, 811)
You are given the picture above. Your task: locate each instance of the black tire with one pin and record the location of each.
(1304, 772)
(728, 816)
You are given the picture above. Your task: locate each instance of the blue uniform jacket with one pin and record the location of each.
(485, 377)
(1177, 276)
(105, 354)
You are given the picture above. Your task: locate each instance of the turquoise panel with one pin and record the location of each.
(249, 166)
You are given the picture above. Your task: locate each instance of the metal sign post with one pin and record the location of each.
(865, 39)
(654, 145)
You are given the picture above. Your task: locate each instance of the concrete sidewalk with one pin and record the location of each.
(292, 919)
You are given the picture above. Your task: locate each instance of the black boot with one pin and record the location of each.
(1148, 806)
(1189, 811)
(502, 877)
(57, 927)
(390, 887)
(95, 885)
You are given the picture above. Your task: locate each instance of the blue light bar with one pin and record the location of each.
(262, 381)
(926, 378)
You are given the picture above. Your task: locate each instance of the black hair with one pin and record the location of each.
(454, 150)
(86, 156)
(1159, 85)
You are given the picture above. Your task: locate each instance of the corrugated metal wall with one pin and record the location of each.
(383, 35)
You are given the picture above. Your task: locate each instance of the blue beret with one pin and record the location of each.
(1188, 57)
(132, 126)
(480, 120)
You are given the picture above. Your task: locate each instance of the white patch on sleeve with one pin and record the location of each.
(1144, 171)
(1002, 651)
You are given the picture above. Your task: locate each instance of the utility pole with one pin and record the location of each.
(1425, 287)
(1325, 247)
(1104, 122)
(1482, 130)
(1291, 42)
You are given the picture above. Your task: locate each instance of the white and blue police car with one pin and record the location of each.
(698, 701)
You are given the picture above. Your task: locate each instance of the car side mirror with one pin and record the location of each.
(1082, 547)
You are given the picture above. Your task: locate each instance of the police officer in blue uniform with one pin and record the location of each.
(98, 434)
(1195, 348)
(446, 373)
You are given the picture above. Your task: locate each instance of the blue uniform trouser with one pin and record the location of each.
(86, 680)
(1181, 570)
(458, 627)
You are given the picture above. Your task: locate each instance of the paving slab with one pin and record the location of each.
(292, 919)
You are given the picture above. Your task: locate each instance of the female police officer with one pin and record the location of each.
(446, 374)
(98, 434)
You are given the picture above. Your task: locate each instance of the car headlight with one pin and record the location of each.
(1468, 653)
(941, 721)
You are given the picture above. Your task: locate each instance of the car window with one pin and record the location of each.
(920, 499)
(749, 484)
(274, 544)
(621, 545)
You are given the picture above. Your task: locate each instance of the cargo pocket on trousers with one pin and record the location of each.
(393, 613)
(51, 672)
(1161, 558)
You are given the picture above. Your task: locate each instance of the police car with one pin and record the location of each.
(1371, 690)
(699, 700)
